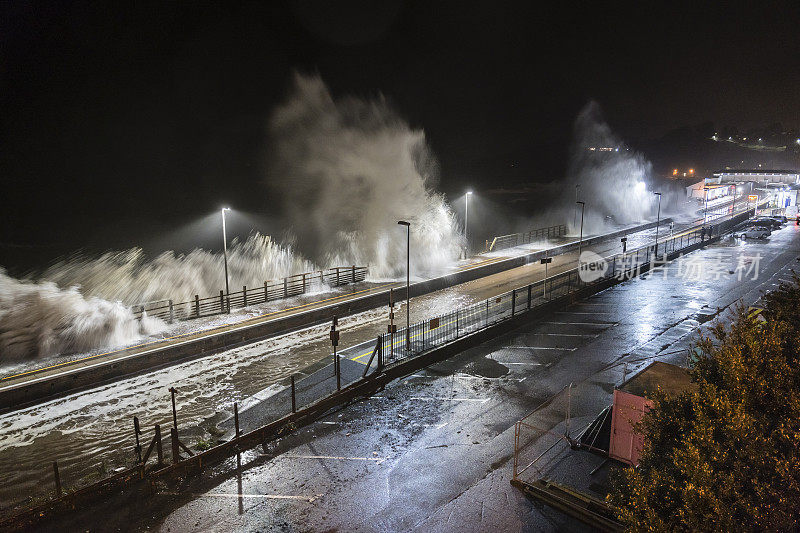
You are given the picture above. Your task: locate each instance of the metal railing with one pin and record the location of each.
(527, 237)
(391, 349)
(287, 287)
(423, 336)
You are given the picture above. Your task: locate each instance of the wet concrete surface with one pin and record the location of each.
(90, 432)
(434, 450)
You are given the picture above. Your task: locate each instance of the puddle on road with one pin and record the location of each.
(487, 368)
(702, 318)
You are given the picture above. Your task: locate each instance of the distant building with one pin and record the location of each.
(786, 177)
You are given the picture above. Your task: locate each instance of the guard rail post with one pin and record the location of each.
(294, 401)
(57, 478)
(176, 453)
(159, 448)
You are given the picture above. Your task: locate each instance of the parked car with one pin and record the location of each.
(757, 232)
(765, 222)
(780, 218)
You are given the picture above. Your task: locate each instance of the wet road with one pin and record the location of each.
(433, 451)
(91, 433)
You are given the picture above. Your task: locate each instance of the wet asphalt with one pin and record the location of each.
(434, 450)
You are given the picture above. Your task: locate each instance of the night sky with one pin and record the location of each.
(120, 119)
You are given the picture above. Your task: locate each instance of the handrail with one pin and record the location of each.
(515, 239)
(286, 287)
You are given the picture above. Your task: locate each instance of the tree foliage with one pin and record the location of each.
(726, 457)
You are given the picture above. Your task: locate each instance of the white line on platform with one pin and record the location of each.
(532, 364)
(581, 312)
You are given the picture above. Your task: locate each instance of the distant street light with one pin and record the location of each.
(658, 219)
(408, 282)
(225, 255)
(575, 216)
(466, 221)
(580, 242)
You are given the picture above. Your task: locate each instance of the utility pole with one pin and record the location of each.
(335, 343)
(545, 261)
(225, 255)
(392, 325)
(408, 282)
(173, 391)
(658, 219)
(466, 222)
(580, 242)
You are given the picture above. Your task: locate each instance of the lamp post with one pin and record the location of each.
(658, 219)
(225, 255)
(408, 282)
(580, 242)
(705, 206)
(575, 216)
(466, 222)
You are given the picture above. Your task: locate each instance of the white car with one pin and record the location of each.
(758, 232)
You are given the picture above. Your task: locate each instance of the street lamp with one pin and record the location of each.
(225, 255)
(466, 221)
(408, 282)
(580, 242)
(658, 219)
(575, 216)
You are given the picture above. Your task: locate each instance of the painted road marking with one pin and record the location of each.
(434, 398)
(582, 312)
(235, 495)
(334, 457)
(583, 323)
(566, 334)
(542, 348)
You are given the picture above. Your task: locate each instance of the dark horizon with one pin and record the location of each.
(120, 124)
